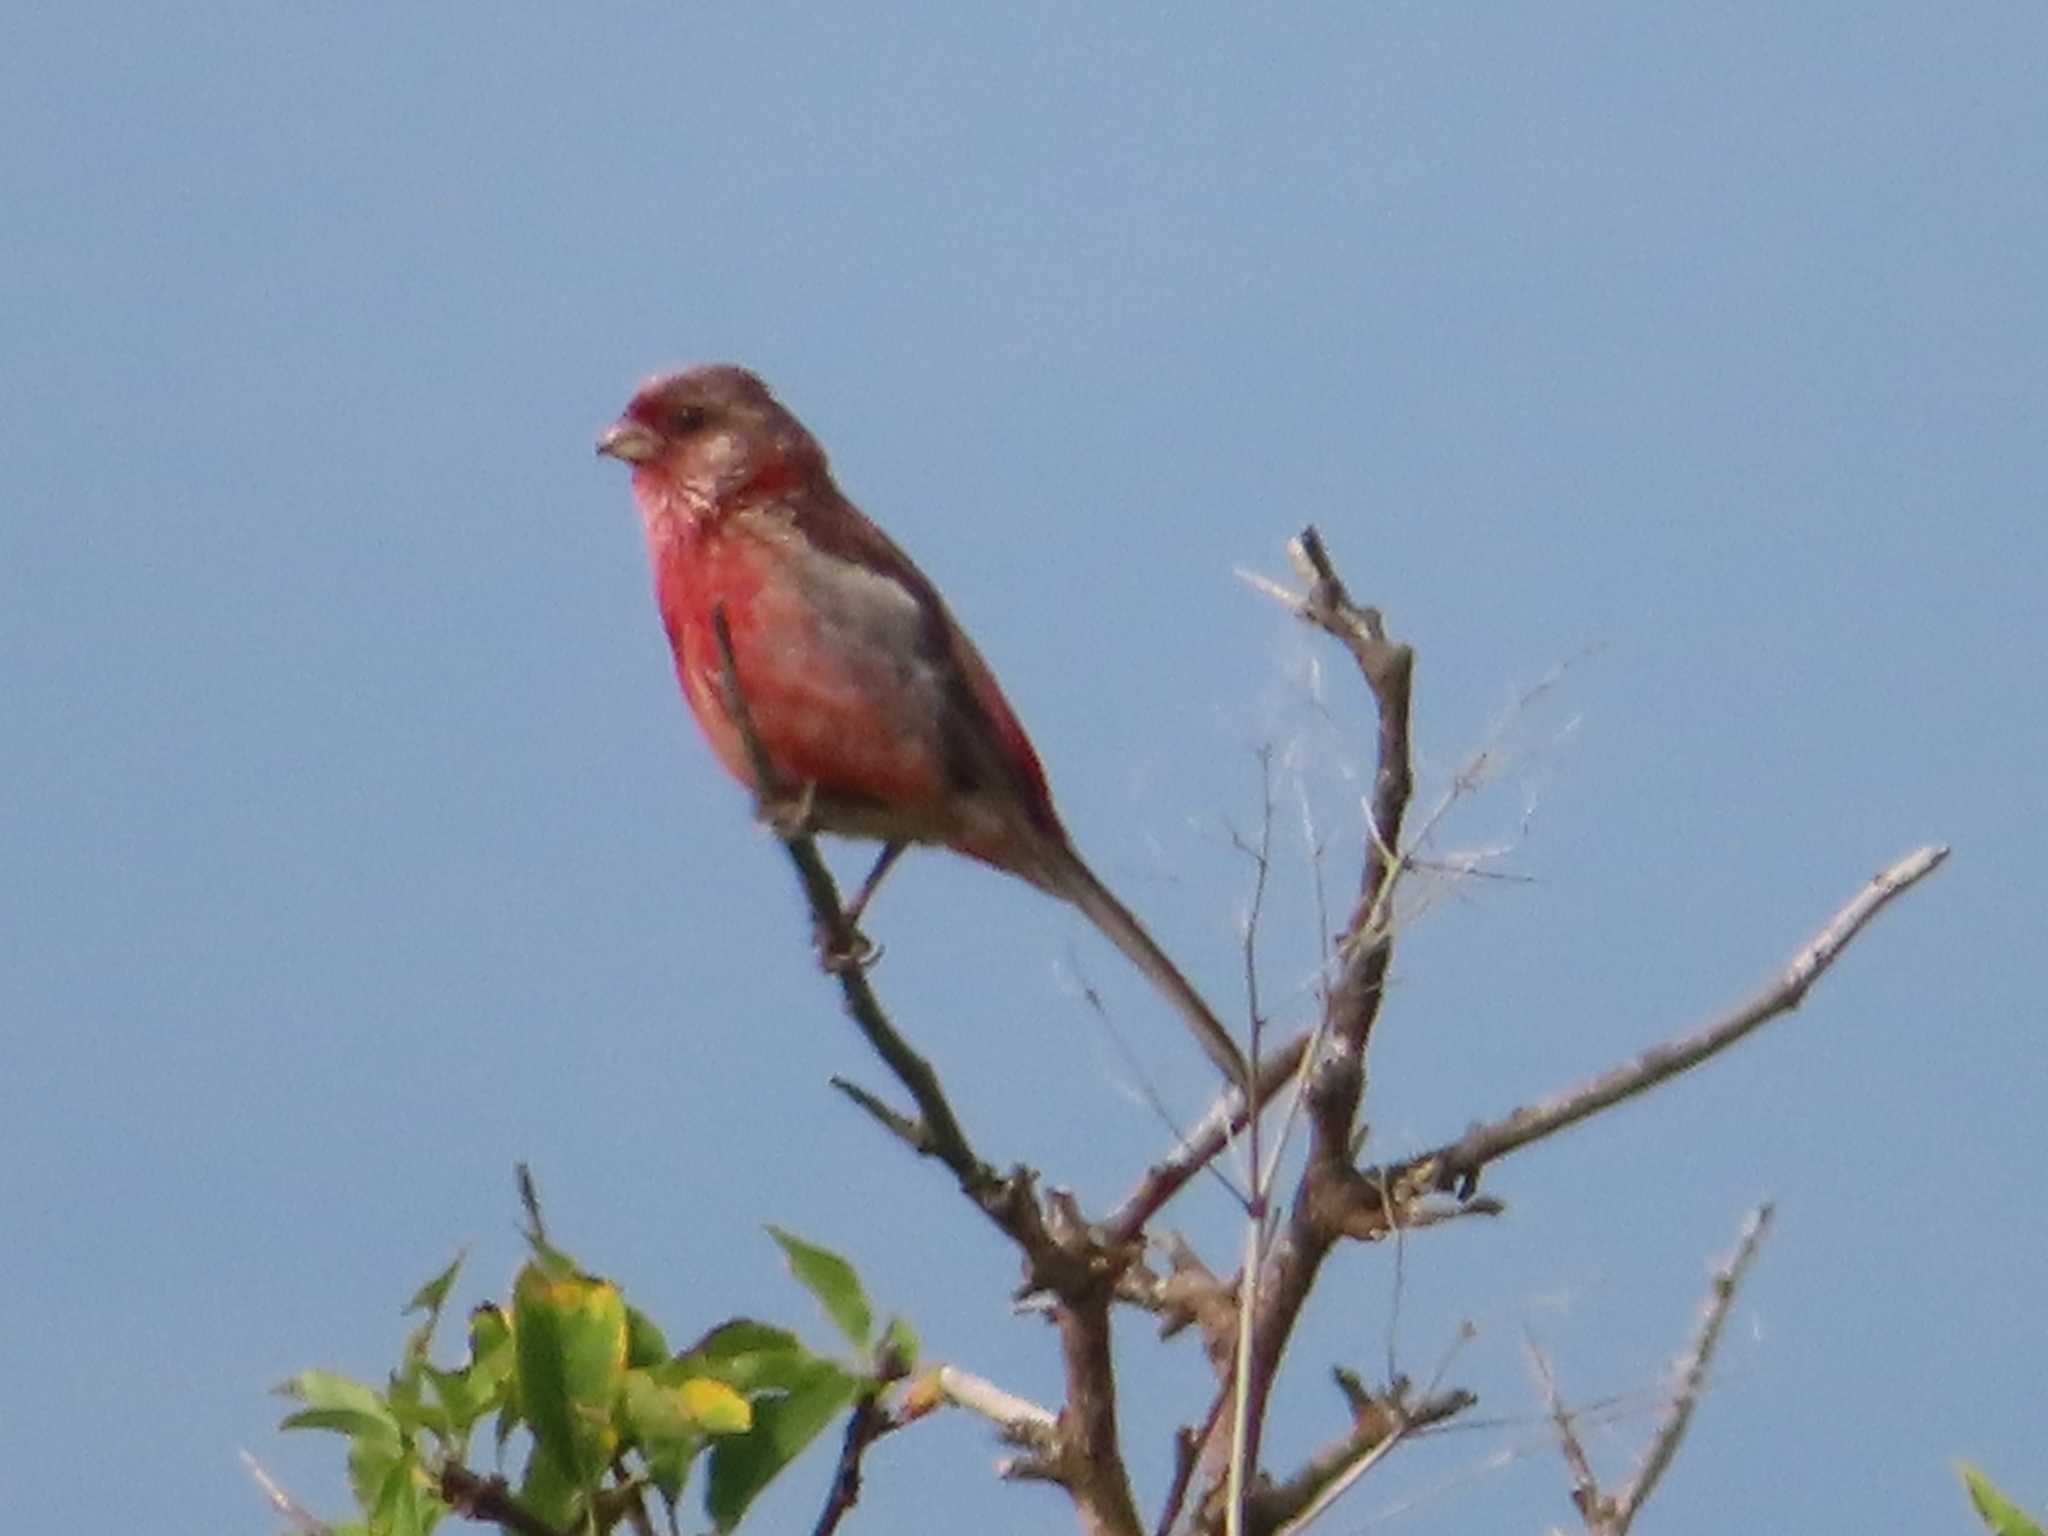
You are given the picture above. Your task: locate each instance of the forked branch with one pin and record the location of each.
(1605, 1514)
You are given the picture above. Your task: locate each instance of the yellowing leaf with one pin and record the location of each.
(569, 1334)
(662, 1408)
(714, 1405)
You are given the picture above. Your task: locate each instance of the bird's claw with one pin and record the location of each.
(846, 950)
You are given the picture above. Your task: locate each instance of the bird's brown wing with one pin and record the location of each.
(985, 747)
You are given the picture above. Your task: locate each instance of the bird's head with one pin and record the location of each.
(708, 432)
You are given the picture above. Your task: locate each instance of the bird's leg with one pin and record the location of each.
(788, 815)
(861, 952)
(890, 853)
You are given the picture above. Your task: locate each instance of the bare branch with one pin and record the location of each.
(1141, 1079)
(1187, 1446)
(1019, 1420)
(1164, 1179)
(1380, 1421)
(1090, 1462)
(1456, 1164)
(1333, 1198)
(1593, 1506)
(1613, 1514)
(868, 1422)
(1329, 1186)
(1188, 1294)
(912, 1132)
(294, 1514)
(1692, 1371)
(489, 1499)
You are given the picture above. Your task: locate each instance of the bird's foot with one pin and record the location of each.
(846, 950)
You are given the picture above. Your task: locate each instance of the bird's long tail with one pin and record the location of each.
(1065, 875)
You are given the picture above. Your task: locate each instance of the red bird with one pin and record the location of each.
(863, 691)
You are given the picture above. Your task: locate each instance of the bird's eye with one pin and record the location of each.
(685, 419)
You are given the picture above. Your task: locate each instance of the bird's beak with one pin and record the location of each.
(630, 441)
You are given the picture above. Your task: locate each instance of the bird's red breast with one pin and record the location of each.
(857, 680)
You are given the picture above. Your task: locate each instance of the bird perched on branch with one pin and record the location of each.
(868, 701)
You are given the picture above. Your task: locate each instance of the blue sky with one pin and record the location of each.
(357, 844)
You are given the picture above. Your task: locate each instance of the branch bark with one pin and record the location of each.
(1456, 1165)
(1380, 1421)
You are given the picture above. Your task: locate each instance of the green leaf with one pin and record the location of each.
(570, 1336)
(750, 1356)
(489, 1329)
(645, 1344)
(900, 1340)
(370, 1466)
(402, 1506)
(832, 1280)
(481, 1386)
(742, 1336)
(668, 1468)
(2000, 1515)
(493, 1362)
(742, 1465)
(409, 1405)
(335, 1402)
(549, 1493)
(464, 1397)
(559, 1265)
(430, 1297)
(673, 1414)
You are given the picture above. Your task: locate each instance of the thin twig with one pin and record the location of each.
(1456, 1164)
(1256, 1224)
(864, 1426)
(1380, 1421)
(1019, 1420)
(868, 1422)
(1187, 1448)
(1591, 1504)
(1336, 1082)
(294, 1514)
(1241, 1440)
(908, 1129)
(1164, 1179)
(1692, 1371)
(1605, 1514)
(489, 1499)
(1147, 1089)
(1261, 858)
